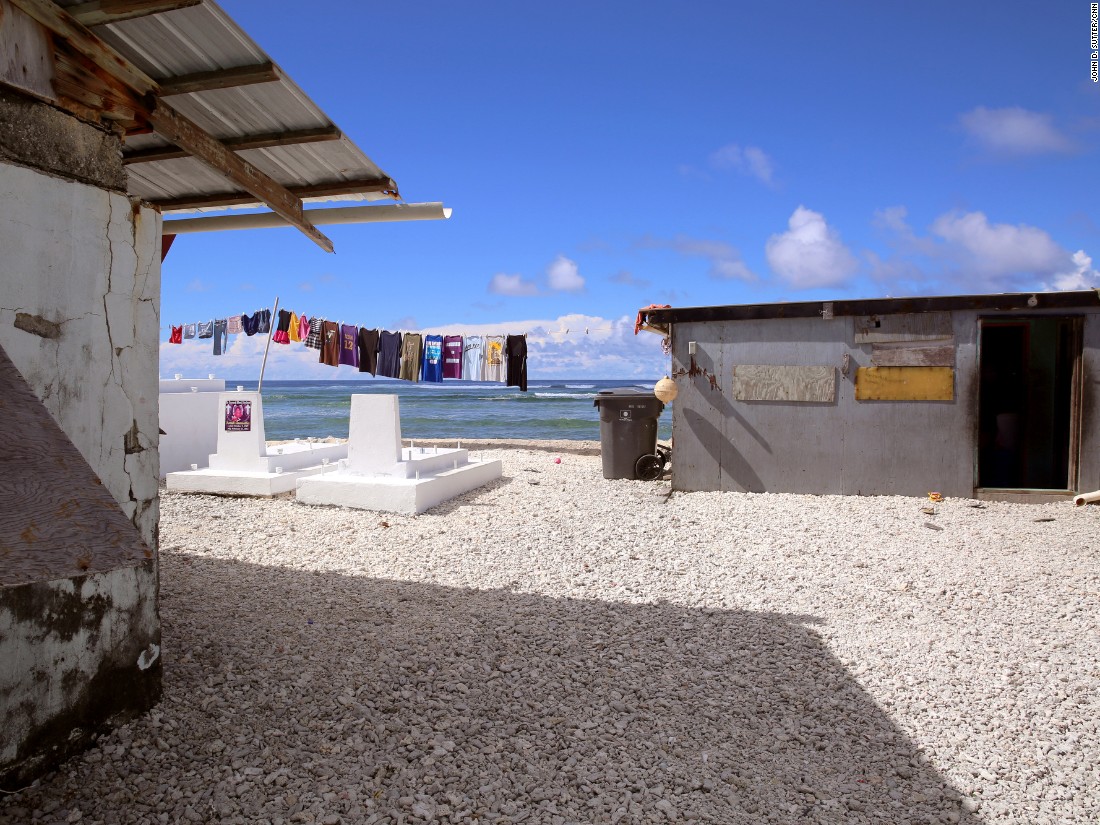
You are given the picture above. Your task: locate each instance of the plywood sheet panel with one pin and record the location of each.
(913, 354)
(26, 57)
(765, 382)
(922, 326)
(905, 384)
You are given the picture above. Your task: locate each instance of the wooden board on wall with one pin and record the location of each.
(764, 382)
(913, 354)
(26, 57)
(905, 384)
(917, 326)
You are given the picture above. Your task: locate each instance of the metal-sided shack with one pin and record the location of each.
(987, 396)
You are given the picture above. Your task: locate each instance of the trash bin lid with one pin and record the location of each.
(625, 391)
(625, 394)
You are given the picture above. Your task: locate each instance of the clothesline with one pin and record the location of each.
(411, 356)
(562, 331)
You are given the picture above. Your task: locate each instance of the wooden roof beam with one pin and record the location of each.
(219, 79)
(95, 49)
(174, 127)
(169, 123)
(239, 144)
(102, 12)
(321, 190)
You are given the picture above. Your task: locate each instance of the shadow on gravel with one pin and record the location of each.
(333, 698)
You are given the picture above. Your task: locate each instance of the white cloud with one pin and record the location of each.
(1014, 131)
(1081, 276)
(998, 250)
(725, 259)
(810, 253)
(514, 285)
(557, 348)
(627, 278)
(562, 275)
(893, 218)
(198, 285)
(964, 251)
(403, 323)
(562, 348)
(750, 160)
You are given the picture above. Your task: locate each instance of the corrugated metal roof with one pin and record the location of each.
(203, 38)
(1007, 302)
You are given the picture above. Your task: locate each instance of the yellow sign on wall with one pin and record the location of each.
(905, 384)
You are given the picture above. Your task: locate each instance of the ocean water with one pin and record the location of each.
(551, 409)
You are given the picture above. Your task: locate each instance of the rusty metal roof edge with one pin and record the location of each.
(1008, 301)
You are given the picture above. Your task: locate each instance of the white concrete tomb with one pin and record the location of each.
(380, 474)
(189, 422)
(244, 465)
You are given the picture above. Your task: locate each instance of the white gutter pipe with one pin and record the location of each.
(317, 217)
(1087, 498)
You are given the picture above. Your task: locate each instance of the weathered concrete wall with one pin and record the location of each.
(842, 447)
(45, 138)
(79, 317)
(79, 654)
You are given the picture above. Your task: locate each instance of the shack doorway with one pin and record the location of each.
(1028, 402)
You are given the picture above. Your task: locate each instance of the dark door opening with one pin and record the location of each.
(1026, 401)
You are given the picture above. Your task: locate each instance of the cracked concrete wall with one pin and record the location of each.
(80, 318)
(79, 654)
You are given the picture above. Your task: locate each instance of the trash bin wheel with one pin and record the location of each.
(649, 467)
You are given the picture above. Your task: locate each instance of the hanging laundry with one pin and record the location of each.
(389, 354)
(368, 350)
(431, 368)
(303, 329)
(330, 344)
(176, 336)
(233, 325)
(313, 339)
(493, 369)
(472, 357)
(264, 316)
(349, 345)
(282, 334)
(452, 356)
(411, 346)
(221, 340)
(294, 330)
(249, 324)
(206, 329)
(515, 349)
(189, 331)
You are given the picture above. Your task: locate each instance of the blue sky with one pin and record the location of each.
(600, 157)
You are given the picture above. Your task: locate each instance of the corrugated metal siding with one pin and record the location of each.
(204, 38)
(850, 446)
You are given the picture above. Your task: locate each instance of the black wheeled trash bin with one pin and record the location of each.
(628, 428)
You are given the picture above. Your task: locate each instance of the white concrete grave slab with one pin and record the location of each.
(188, 421)
(380, 474)
(244, 465)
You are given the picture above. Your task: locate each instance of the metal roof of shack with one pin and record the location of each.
(657, 317)
(215, 75)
